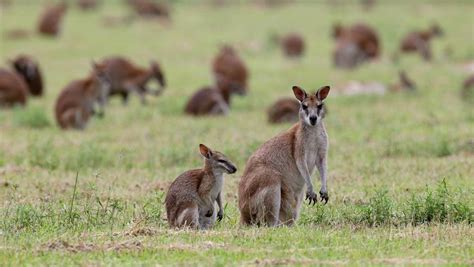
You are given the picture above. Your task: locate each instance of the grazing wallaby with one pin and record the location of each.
(29, 69)
(230, 71)
(50, 21)
(419, 41)
(284, 110)
(192, 197)
(354, 45)
(13, 90)
(209, 101)
(404, 84)
(81, 99)
(292, 44)
(271, 189)
(87, 4)
(126, 78)
(147, 8)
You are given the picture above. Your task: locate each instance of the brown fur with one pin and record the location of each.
(272, 186)
(191, 198)
(75, 104)
(419, 42)
(354, 45)
(208, 101)
(17, 34)
(87, 4)
(51, 19)
(148, 8)
(13, 90)
(29, 69)
(128, 78)
(284, 110)
(292, 44)
(230, 71)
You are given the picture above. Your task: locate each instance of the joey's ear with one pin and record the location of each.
(300, 94)
(205, 151)
(323, 92)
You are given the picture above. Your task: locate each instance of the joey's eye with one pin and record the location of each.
(221, 161)
(305, 107)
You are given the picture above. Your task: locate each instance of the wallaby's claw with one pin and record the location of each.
(220, 215)
(324, 197)
(312, 197)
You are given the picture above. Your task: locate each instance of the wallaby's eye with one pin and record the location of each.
(305, 107)
(320, 106)
(221, 161)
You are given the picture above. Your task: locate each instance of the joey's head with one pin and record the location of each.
(216, 160)
(311, 106)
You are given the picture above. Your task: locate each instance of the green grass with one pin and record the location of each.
(400, 165)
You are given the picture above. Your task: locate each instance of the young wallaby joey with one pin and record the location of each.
(191, 199)
(272, 187)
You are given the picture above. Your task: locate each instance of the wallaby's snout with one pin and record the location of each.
(311, 106)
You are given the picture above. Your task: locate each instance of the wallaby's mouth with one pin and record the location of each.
(230, 169)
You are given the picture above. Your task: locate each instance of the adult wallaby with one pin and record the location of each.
(81, 99)
(271, 189)
(192, 196)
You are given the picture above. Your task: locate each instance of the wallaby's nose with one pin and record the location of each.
(313, 119)
(232, 169)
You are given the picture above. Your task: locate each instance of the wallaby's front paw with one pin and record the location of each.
(312, 197)
(324, 196)
(220, 215)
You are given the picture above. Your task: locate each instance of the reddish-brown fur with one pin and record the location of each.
(284, 110)
(51, 19)
(355, 44)
(87, 4)
(208, 101)
(13, 90)
(292, 44)
(126, 77)
(419, 41)
(75, 104)
(149, 8)
(30, 71)
(230, 71)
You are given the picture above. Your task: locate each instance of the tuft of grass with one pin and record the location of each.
(30, 117)
(42, 155)
(87, 156)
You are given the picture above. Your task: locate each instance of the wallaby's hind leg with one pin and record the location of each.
(124, 96)
(290, 206)
(265, 206)
(188, 217)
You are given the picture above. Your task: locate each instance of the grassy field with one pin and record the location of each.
(401, 166)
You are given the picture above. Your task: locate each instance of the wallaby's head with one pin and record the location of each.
(436, 30)
(311, 106)
(158, 73)
(216, 160)
(103, 82)
(26, 67)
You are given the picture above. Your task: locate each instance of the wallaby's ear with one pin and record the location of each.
(205, 151)
(323, 92)
(300, 94)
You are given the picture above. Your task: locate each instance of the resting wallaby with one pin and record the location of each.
(51, 19)
(271, 189)
(192, 196)
(80, 99)
(284, 110)
(13, 89)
